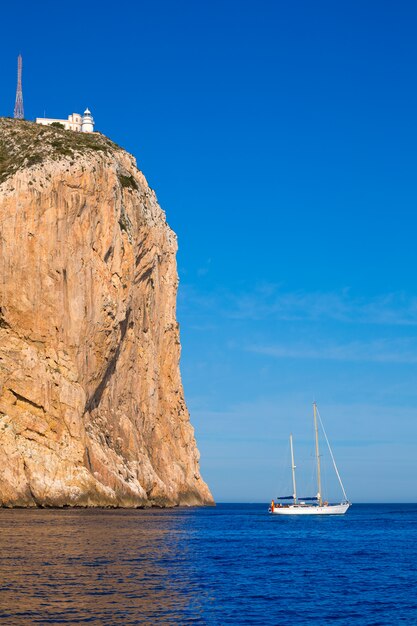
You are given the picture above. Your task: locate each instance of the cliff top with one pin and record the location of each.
(23, 144)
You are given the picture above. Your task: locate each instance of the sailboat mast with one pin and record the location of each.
(316, 430)
(294, 486)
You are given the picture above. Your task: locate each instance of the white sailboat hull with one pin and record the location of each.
(301, 509)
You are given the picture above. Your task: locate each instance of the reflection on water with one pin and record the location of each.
(233, 564)
(107, 567)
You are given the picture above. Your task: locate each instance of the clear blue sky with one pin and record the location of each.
(281, 139)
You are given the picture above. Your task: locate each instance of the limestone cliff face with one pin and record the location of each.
(92, 410)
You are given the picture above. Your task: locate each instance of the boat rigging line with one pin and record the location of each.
(331, 454)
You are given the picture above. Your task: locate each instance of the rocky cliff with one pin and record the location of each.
(92, 410)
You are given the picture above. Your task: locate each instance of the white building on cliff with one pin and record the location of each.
(79, 123)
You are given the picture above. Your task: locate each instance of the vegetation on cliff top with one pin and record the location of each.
(23, 144)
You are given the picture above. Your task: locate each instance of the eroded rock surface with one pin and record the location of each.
(92, 410)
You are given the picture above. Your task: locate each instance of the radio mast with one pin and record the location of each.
(18, 107)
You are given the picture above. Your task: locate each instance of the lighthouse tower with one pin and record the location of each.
(88, 122)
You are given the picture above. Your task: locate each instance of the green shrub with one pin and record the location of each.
(128, 182)
(34, 159)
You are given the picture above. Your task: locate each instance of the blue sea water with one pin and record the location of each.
(233, 564)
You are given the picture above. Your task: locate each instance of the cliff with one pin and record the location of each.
(92, 410)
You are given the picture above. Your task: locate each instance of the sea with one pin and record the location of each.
(232, 564)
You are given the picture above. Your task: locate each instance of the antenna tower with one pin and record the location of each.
(18, 107)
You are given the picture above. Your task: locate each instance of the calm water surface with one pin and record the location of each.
(234, 564)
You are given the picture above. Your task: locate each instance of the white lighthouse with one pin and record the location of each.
(77, 122)
(87, 125)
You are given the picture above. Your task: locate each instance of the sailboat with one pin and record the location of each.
(316, 505)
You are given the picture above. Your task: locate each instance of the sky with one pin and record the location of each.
(280, 138)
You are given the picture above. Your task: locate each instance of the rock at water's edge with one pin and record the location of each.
(92, 410)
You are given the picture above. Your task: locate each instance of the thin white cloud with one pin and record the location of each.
(381, 351)
(388, 309)
(272, 302)
(204, 270)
